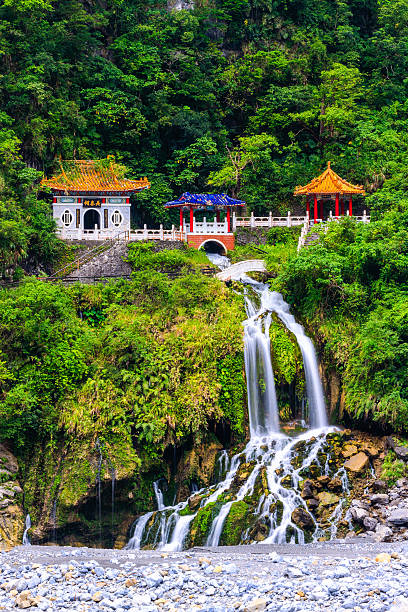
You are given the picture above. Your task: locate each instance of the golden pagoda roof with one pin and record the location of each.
(92, 176)
(329, 183)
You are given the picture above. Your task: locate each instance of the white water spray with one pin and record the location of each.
(273, 301)
(26, 540)
(268, 452)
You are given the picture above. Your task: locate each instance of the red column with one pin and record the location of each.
(351, 206)
(321, 209)
(337, 205)
(308, 207)
(315, 209)
(191, 220)
(342, 208)
(229, 219)
(181, 218)
(218, 216)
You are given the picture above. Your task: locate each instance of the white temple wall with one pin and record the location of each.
(76, 216)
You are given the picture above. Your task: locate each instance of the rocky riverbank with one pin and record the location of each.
(337, 576)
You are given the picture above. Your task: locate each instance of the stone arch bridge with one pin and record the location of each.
(242, 267)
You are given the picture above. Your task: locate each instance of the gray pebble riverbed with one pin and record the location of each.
(344, 575)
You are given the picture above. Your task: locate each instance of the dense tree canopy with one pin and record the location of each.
(253, 97)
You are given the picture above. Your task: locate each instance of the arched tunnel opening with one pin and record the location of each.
(214, 246)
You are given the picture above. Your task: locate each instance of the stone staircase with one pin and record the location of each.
(311, 238)
(107, 263)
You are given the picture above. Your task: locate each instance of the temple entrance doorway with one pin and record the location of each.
(92, 218)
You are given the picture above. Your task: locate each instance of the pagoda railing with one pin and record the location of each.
(269, 221)
(207, 227)
(156, 234)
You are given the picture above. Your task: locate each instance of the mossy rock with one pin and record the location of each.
(235, 524)
(202, 522)
(286, 481)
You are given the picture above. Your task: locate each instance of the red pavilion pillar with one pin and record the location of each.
(308, 207)
(181, 218)
(351, 206)
(218, 216)
(337, 205)
(229, 219)
(315, 209)
(321, 209)
(191, 220)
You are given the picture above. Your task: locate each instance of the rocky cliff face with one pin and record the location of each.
(11, 512)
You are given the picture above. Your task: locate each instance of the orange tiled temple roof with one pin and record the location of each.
(329, 183)
(91, 176)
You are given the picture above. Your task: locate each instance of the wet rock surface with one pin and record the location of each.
(336, 576)
(11, 514)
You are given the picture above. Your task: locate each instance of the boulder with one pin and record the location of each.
(357, 463)
(389, 443)
(323, 480)
(398, 517)
(307, 489)
(401, 452)
(358, 514)
(379, 485)
(370, 523)
(359, 503)
(302, 519)
(382, 533)
(349, 450)
(383, 558)
(194, 502)
(11, 526)
(335, 484)
(380, 498)
(327, 499)
(312, 504)
(370, 450)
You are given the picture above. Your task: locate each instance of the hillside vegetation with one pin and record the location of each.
(351, 288)
(251, 97)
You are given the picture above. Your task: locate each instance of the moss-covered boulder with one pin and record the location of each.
(235, 524)
(202, 522)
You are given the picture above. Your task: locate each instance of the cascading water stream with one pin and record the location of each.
(273, 463)
(273, 301)
(26, 540)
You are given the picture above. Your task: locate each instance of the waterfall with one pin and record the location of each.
(159, 495)
(113, 481)
(26, 540)
(273, 301)
(138, 529)
(98, 487)
(53, 517)
(271, 462)
(262, 405)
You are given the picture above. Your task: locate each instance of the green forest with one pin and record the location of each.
(248, 97)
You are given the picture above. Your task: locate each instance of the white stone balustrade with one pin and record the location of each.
(269, 221)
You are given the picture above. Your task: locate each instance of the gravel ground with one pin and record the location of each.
(354, 575)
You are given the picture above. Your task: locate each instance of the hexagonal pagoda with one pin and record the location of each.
(327, 187)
